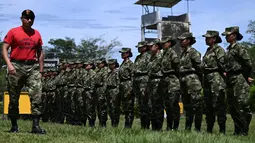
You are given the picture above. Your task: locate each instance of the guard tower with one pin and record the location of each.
(172, 25)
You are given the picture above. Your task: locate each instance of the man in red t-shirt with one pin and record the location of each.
(24, 67)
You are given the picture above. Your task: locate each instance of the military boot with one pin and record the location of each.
(36, 129)
(169, 124)
(176, 125)
(222, 128)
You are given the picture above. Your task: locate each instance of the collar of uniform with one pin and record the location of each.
(231, 46)
(211, 49)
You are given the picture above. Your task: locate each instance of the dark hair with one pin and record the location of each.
(117, 65)
(130, 54)
(159, 46)
(93, 66)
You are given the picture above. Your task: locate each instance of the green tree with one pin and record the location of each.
(94, 48)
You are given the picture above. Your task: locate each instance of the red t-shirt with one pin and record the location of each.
(23, 45)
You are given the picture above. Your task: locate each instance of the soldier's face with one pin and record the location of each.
(231, 37)
(184, 42)
(88, 67)
(210, 40)
(27, 21)
(142, 49)
(111, 66)
(124, 55)
(154, 48)
(166, 45)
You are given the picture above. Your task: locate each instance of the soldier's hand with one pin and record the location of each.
(250, 79)
(225, 74)
(11, 69)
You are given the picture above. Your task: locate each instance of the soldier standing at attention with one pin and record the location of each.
(89, 92)
(100, 87)
(140, 82)
(238, 70)
(22, 68)
(113, 92)
(126, 88)
(190, 79)
(155, 75)
(214, 84)
(170, 84)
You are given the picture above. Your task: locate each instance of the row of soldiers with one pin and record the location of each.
(157, 78)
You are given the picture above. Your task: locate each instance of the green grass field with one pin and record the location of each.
(57, 133)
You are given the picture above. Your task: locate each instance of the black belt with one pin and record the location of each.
(206, 71)
(26, 62)
(140, 74)
(123, 80)
(169, 73)
(187, 73)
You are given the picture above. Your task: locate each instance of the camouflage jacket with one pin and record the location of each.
(59, 77)
(89, 81)
(238, 60)
(190, 62)
(113, 80)
(154, 67)
(126, 70)
(101, 76)
(170, 62)
(79, 82)
(71, 76)
(141, 64)
(51, 84)
(213, 60)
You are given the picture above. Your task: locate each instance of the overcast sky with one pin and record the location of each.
(121, 18)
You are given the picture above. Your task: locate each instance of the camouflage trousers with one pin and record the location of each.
(60, 93)
(91, 103)
(171, 96)
(140, 86)
(157, 107)
(215, 102)
(239, 103)
(30, 76)
(101, 105)
(80, 111)
(192, 100)
(49, 112)
(128, 99)
(113, 103)
(69, 108)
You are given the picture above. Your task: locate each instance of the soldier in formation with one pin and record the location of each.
(79, 91)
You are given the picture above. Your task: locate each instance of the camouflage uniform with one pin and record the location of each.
(156, 99)
(100, 87)
(126, 89)
(70, 93)
(51, 97)
(78, 94)
(238, 69)
(170, 84)
(190, 79)
(45, 80)
(113, 94)
(60, 93)
(214, 84)
(89, 94)
(140, 82)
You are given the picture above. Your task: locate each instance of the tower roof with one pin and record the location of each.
(159, 3)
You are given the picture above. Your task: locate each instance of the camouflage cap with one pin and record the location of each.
(150, 43)
(212, 33)
(78, 61)
(112, 61)
(88, 62)
(168, 39)
(70, 62)
(233, 29)
(187, 35)
(156, 41)
(125, 49)
(141, 44)
(100, 60)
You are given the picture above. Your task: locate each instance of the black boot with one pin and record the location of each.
(169, 124)
(14, 128)
(222, 128)
(176, 125)
(92, 123)
(36, 129)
